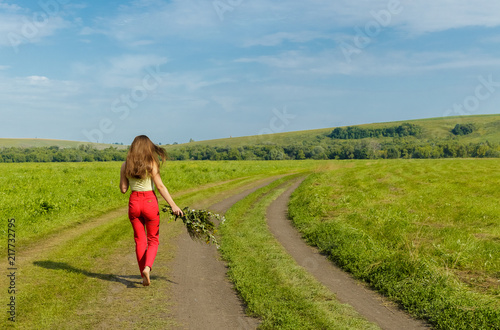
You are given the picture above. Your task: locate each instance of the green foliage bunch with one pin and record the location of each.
(355, 132)
(464, 129)
(199, 223)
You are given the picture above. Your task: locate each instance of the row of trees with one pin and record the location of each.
(408, 147)
(355, 132)
(84, 153)
(352, 150)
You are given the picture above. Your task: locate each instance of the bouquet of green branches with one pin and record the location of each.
(199, 223)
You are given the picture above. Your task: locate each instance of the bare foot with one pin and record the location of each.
(145, 278)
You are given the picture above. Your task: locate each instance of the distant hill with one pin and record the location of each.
(448, 137)
(429, 138)
(433, 128)
(34, 143)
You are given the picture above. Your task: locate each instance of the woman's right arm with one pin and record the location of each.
(123, 180)
(164, 191)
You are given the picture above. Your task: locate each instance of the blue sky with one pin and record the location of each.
(107, 71)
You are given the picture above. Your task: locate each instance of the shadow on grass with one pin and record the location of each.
(130, 281)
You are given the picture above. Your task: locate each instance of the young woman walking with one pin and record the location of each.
(141, 171)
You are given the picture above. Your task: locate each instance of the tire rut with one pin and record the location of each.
(371, 305)
(203, 295)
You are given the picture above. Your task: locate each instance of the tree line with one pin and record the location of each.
(84, 153)
(364, 149)
(342, 143)
(355, 132)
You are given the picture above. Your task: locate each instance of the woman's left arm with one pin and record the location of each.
(123, 180)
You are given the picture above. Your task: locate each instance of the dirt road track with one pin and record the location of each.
(203, 296)
(199, 294)
(348, 290)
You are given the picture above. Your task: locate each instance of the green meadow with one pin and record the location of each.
(425, 233)
(47, 197)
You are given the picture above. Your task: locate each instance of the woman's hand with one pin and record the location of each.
(176, 210)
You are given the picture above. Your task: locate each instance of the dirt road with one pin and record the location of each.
(369, 304)
(190, 289)
(203, 296)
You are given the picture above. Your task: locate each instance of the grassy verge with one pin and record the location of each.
(270, 282)
(54, 287)
(425, 233)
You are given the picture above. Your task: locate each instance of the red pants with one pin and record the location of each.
(144, 216)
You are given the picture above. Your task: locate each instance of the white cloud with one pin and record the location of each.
(38, 92)
(431, 16)
(8, 7)
(326, 63)
(153, 20)
(404, 63)
(19, 26)
(38, 80)
(297, 21)
(227, 103)
(133, 64)
(286, 60)
(280, 37)
(125, 71)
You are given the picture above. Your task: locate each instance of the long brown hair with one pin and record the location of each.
(141, 156)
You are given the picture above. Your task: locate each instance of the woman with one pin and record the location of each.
(141, 172)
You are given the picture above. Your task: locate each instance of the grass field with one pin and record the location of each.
(425, 233)
(44, 197)
(273, 286)
(55, 200)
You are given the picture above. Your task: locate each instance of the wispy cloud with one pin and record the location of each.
(280, 37)
(38, 92)
(125, 71)
(9, 7)
(22, 26)
(390, 63)
(145, 21)
(431, 16)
